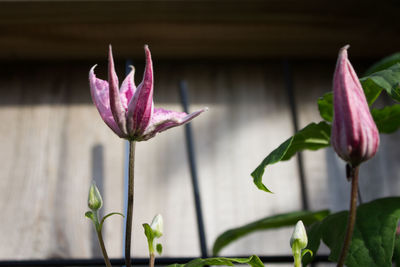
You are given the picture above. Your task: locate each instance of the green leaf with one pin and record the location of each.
(148, 232)
(384, 63)
(396, 251)
(90, 215)
(277, 221)
(312, 137)
(388, 80)
(325, 106)
(387, 119)
(159, 248)
(385, 76)
(314, 240)
(373, 237)
(306, 251)
(150, 236)
(325, 103)
(108, 215)
(93, 216)
(253, 261)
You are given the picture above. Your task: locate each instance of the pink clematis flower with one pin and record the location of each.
(355, 136)
(130, 111)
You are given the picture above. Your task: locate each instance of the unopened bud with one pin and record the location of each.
(299, 236)
(95, 201)
(157, 225)
(355, 136)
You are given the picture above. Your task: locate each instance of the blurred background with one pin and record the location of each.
(259, 66)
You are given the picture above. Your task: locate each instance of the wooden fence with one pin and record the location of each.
(53, 143)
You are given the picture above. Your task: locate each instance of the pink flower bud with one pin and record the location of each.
(355, 136)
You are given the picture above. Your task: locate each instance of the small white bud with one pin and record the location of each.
(299, 235)
(157, 225)
(95, 201)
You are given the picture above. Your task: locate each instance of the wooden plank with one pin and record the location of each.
(195, 29)
(108, 11)
(48, 121)
(310, 82)
(241, 127)
(231, 139)
(50, 138)
(46, 171)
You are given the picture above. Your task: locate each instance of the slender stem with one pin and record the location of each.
(103, 248)
(97, 226)
(297, 257)
(353, 175)
(152, 259)
(128, 230)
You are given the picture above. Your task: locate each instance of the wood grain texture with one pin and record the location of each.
(310, 82)
(46, 166)
(197, 29)
(53, 142)
(52, 135)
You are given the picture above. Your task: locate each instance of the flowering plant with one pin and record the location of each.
(130, 114)
(364, 236)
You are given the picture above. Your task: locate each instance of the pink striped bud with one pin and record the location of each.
(355, 136)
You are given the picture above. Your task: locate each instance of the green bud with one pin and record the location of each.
(157, 225)
(95, 201)
(299, 236)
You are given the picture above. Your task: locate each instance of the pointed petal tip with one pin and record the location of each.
(343, 50)
(147, 52)
(200, 111)
(345, 47)
(92, 69)
(196, 113)
(132, 68)
(110, 55)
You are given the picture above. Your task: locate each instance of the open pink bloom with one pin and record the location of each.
(130, 111)
(355, 136)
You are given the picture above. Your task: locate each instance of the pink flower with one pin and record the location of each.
(355, 136)
(130, 111)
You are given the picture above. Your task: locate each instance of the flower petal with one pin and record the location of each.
(101, 99)
(127, 89)
(140, 108)
(164, 119)
(117, 109)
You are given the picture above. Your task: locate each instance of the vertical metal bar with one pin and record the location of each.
(293, 108)
(193, 171)
(288, 76)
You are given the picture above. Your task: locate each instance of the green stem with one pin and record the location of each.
(353, 175)
(152, 259)
(100, 238)
(103, 249)
(297, 258)
(128, 230)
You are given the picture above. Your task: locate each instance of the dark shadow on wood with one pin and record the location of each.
(98, 177)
